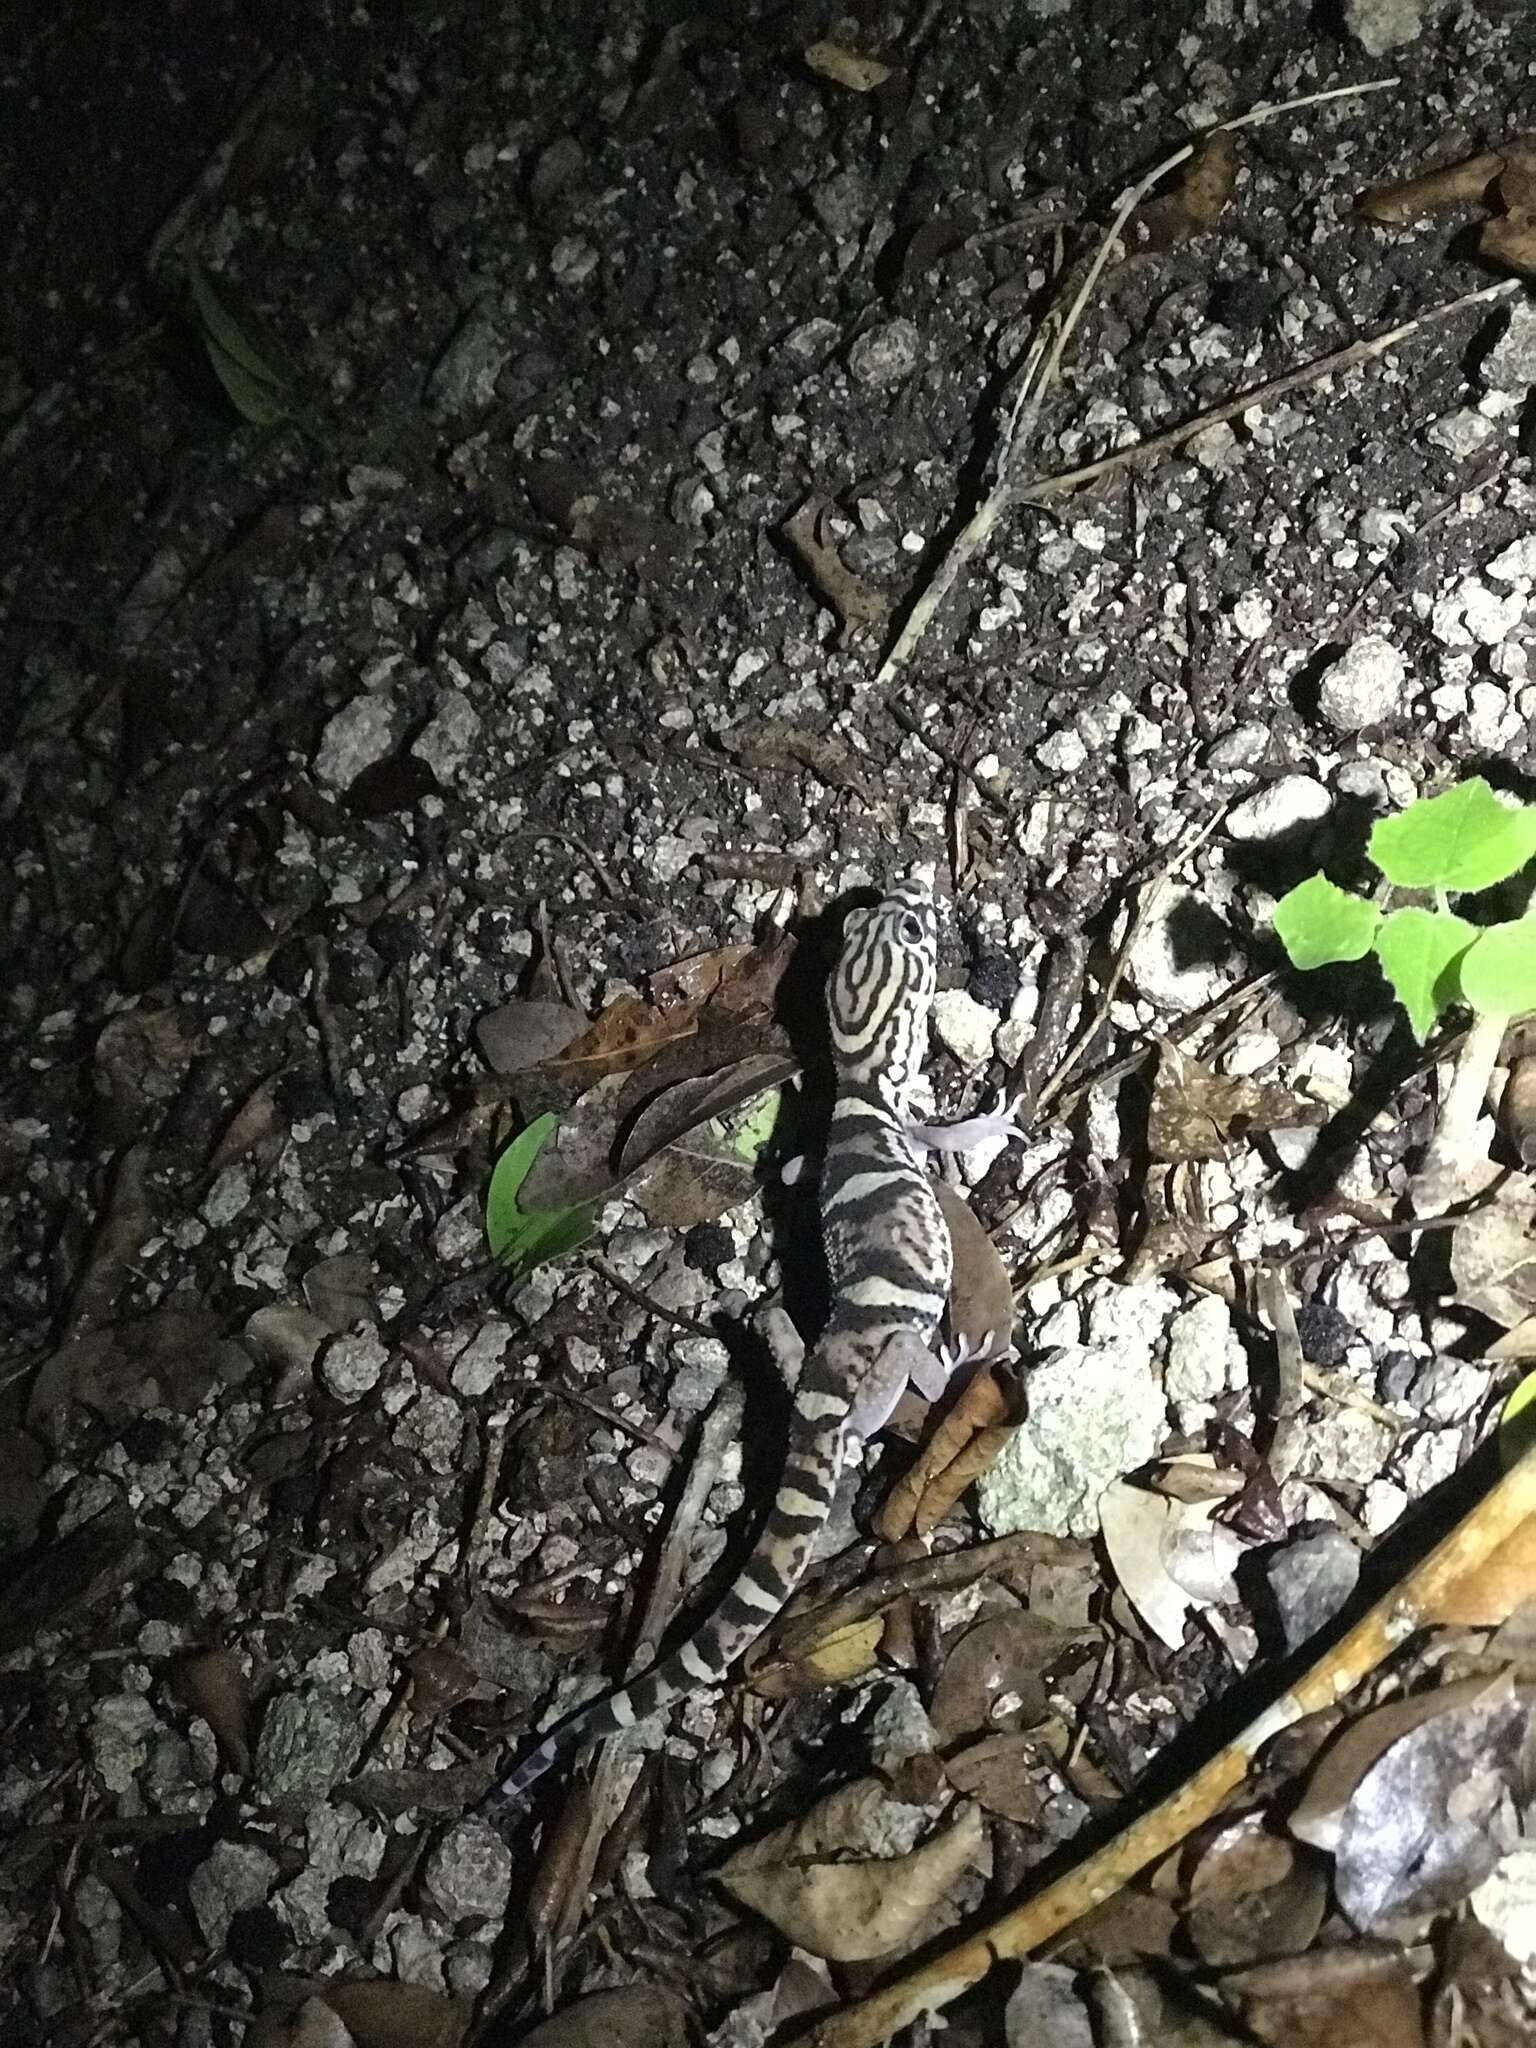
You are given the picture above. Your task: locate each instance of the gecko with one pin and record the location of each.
(889, 1263)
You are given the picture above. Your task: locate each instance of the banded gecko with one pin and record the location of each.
(889, 1260)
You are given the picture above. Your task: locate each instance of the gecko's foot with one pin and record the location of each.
(966, 1135)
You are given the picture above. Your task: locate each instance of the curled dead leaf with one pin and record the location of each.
(1517, 1108)
(1493, 1255)
(819, 1882)
(968, 1442)
(859, 608)
(1402, 201)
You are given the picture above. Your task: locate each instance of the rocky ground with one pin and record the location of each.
(466, 475)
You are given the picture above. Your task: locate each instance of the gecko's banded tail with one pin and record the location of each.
(776, 1566)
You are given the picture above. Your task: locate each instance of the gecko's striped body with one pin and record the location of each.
(888, 1255)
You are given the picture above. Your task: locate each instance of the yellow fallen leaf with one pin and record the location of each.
(846, 67)
(846, 1653)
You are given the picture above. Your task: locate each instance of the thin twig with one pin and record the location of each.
(1039, 370)
(553, 955)
(1341, 359)
(648, 1302)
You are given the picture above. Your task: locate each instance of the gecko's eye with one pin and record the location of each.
(911, 929)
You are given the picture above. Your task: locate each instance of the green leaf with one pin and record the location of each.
(258, 393)
(1419, 951)
(1319, 923)
(1498, 975)
(747, 1130)
(1463, 839)
(525, 1238)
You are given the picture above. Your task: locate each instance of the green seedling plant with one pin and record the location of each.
(1459, 843)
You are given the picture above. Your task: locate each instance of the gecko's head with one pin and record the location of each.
(881, 989)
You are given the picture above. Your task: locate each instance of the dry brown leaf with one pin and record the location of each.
(995, 1677)
(777, 744)
(41, 1589)
(163, 1360)
(523, 1034)
(859, 608)
(639, 2016)
(441, 1679)
(1253, 1895)
(1195, 1111)
(933, 1484)
(679, 1110)
(846, 67)
(1493, 1255)
(981, 1305)
(213, 1684)
(1365, 1997)
(1517, 1108)
(380, 2013)
(1406, 1799)
(996, 1773)
(1201, 198)
(340, 1291)
(622, 1037)
(449, 1791)
(1402, 201)
(254, 1127)
(1510, 239)
(141, 1058)
(843, 1654)
(816, 1880)
(738, 979)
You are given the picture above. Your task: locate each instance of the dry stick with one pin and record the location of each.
(1341, 359)
(1416, 1603)
(1044, 357)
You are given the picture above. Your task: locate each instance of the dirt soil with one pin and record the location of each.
(463, 470)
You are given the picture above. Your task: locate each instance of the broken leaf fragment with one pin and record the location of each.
(846, 67)
(1196, 1111)
(1201, 197)
(524, 1238)
(823, 1883)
